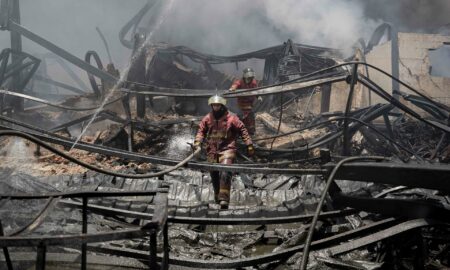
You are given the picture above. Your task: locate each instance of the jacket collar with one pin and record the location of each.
(224, 116)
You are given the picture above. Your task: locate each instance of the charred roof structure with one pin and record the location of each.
(351, 168)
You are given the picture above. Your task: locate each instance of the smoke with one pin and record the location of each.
(71, 25)
(223, 27)
(410, 15)
(231, 26)
(335, 24)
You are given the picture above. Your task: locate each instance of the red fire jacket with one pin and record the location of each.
(221, 135)
(245, 103)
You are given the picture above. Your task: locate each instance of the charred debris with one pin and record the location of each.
(351, 168)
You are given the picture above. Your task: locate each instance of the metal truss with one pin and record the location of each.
(25, 64)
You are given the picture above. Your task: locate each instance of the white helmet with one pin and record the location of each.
(216, 99)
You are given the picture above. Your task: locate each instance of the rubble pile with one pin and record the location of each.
(252, 196)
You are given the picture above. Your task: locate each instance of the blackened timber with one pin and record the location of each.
(412, 175)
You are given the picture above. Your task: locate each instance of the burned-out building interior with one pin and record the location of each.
(346, 164)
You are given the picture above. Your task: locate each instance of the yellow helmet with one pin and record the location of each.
(216, 99)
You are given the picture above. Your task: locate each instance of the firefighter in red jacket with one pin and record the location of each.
(219, 130)
(245, 104)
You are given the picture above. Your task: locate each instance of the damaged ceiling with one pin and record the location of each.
(350, 172)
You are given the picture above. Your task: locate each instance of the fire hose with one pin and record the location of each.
(92, 167)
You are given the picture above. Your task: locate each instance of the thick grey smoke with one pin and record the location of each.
(224, 27)
(232, 26)
(336, 24)
(220, 26)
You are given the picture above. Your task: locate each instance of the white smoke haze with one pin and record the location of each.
(410, 15)
(221, 26)
(232, 26)
(224, 27)
(329, 23)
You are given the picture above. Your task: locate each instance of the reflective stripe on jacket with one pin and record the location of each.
(221, 134)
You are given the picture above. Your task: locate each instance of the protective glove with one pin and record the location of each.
(197, 146)
(250, 150)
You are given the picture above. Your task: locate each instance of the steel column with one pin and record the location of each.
(40, 256)
(16, 46)
(4, 14)
(153, 252)
(395, 59)
(84, 231)
(387, 122)
(346, 139)
(5, 250)
(165, 261)
(325, 99)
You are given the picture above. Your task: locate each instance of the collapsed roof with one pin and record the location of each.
(385, 163)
